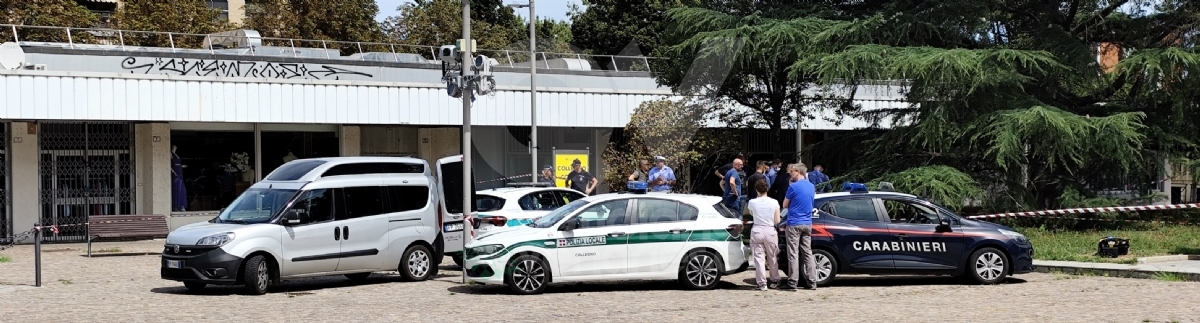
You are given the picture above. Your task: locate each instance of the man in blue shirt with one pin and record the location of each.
(773, 171)
(798, 229)
(818, 178)
(661, 177)
(733, 184)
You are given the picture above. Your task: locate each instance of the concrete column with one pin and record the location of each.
(23, 153)
(152, 174)
(350, 140)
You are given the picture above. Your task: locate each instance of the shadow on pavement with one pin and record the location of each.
(120, 254)
(588, 287)
(294, 287)
(888, 281)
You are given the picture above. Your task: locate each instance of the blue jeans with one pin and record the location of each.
(734, 203)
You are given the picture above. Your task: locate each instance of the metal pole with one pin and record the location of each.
(257, 152)
(467, 203)
(16, 38)
(70, 40)
(171, 37)
(37, 254)
(533, 138)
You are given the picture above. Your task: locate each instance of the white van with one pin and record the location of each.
(313, 217)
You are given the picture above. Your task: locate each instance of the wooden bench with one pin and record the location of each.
(126, 226)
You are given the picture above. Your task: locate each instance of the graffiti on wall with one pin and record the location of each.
(226, 68)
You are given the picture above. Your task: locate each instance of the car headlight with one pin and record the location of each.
(483, 250)
(1016, 236)
(216, 240)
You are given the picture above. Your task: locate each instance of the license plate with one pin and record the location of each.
(174, 264)
(453, 227)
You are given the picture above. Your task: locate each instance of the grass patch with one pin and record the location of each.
(1169, 277)
(1072, 245)
(109, 250)
(4, 259)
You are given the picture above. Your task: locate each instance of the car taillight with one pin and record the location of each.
(498, 221)
(735, 230)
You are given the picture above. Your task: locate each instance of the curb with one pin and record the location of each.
(1120, 273)
(1156, 259)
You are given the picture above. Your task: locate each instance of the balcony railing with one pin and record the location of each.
(247, 42)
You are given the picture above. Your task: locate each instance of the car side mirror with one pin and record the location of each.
(570, 225)
(944, 226)
(292, 216)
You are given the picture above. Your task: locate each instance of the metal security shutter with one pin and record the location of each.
(86, 169)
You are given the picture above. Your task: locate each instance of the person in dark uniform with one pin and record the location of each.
(580, 180)
(779, 188)
(547, 175)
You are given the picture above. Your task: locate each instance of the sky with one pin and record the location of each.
(554, 9)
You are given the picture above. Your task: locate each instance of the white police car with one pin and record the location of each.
(518, 204)
(692, 238)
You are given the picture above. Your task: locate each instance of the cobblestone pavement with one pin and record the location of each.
(127, 288)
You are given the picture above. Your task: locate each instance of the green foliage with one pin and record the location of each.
(1060, 139)
(665, 128)
(188, 17)
(943, 185)
(330, 20)
(741, 58)
(439, 22)
(4, 259)
(63, 13)
(620, 27)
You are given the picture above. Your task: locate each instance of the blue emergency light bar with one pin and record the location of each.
(854, 188)
(636, 187)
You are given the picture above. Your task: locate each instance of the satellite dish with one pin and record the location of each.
(11, 56)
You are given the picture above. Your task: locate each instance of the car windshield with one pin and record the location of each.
(256, 205)
(552, 218)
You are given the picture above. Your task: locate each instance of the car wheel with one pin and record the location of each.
(417, 264)
(358, 276)
(194, 287)
(458, 261)
(527, 275)
(987, 266)
(700, 270)
(826, 267)
(257, 275)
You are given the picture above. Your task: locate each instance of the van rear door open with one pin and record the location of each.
(450, 176)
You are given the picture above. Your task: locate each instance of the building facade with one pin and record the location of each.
(113, 130)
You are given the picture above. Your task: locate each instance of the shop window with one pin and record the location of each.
(204, 171)
(281, 147)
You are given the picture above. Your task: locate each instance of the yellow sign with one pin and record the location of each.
(562, 165)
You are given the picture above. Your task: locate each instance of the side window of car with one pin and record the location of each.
(539, 201)
(854, 209)
(568, 196)
(656, 211)
(406, 198)
(604, 214)
(316, 206)
(361, 201)
(900, 211)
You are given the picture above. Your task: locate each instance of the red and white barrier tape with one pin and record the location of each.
(1088, 210)
(504, 179)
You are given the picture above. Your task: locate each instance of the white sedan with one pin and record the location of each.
(517, 206)
(690, 238)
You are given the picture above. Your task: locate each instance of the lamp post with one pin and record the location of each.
(533, 137)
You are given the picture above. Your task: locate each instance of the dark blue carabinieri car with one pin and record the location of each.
(862, 232)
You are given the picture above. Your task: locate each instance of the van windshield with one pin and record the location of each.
(552, 218)
(256, 205)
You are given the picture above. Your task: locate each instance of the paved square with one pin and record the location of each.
(127, 288)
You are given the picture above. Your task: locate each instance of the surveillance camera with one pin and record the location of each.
(483, 64)
(448, 54)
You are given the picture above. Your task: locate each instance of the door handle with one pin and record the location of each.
(677, 231)
(337, 234)
(346, 233)
(901, 236)
(616, 234)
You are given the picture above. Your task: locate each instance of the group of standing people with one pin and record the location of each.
(660, 177)
(796, 193)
